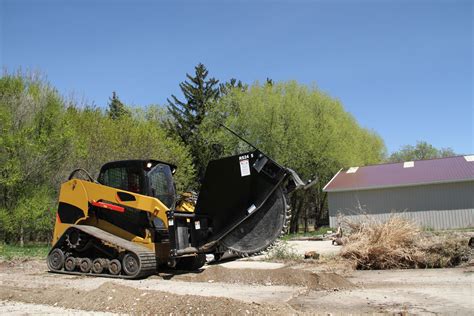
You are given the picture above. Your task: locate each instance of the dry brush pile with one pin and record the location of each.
(399, 243)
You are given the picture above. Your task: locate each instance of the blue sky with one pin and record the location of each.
(402, 68)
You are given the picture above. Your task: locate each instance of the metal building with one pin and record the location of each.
(436, 193)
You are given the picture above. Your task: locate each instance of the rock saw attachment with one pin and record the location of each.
(242, 204)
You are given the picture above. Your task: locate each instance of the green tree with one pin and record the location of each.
(129, 137)
(446, 152)
(301, 128)
(116, 108)
(226, 87)
(42, 139)
(33, 216)
(200, 92)
(35, 140)
(422, 150)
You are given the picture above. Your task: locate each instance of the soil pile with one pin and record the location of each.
(282, 276)
(111, 297)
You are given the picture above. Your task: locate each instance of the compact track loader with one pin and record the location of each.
(128, 222)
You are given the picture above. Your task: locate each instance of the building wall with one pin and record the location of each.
(438, 206)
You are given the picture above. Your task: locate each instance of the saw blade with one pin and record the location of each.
(261, 229)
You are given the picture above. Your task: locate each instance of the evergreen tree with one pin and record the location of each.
(116, 108)
(199, 93)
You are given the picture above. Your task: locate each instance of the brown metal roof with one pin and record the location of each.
(452, 169)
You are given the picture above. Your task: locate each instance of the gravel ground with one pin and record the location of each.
(16, 308)
(240, 288)
(324, 247)
(427, 292)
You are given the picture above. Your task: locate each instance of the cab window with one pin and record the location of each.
(124, 178)
(161, 184)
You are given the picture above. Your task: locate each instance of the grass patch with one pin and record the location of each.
(320, 231)
(9, 252)
(282, 251)
(399, 243)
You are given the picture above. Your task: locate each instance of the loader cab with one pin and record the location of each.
(147, 177)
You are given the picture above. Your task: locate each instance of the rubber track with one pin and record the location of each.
(146, 257)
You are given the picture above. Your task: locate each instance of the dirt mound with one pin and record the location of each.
(282, 276)
(123, 299)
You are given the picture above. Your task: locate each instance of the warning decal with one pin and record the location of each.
(244, 168)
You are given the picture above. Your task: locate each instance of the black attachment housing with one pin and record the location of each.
(234, 188)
